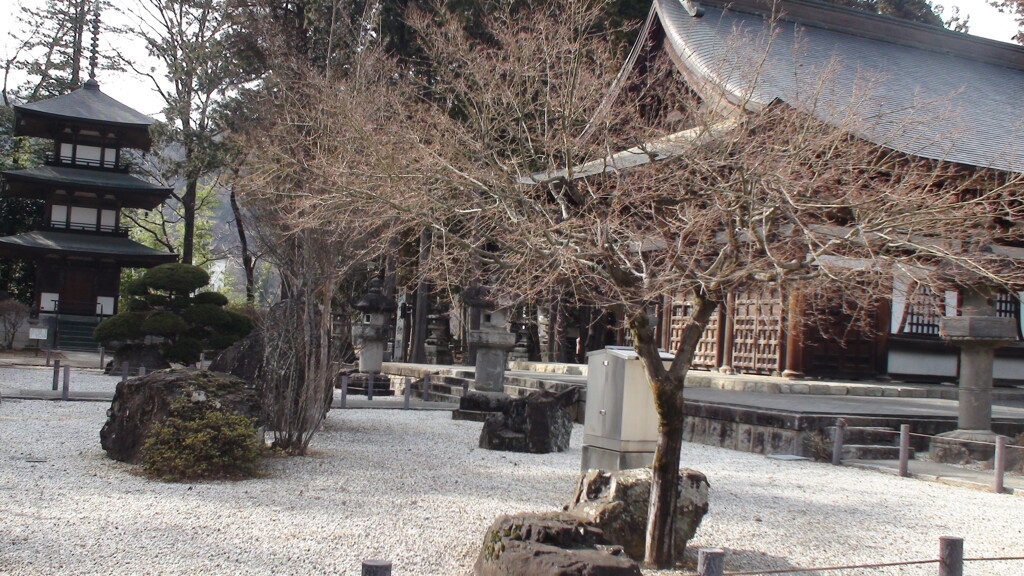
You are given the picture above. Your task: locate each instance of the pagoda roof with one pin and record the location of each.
(122, 250)
(918, 89)
(87, 106)
(37, 182)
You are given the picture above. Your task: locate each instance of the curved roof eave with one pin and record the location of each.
(923, 102)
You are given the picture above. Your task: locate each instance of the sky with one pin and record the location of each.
(138, 92)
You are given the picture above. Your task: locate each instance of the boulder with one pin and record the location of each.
(617, 503)
(242, 359)
(140, 402)
(554, 544)
(539, 423)
(137, 356)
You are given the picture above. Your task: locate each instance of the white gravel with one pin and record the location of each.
(14, 379)
(413, 488)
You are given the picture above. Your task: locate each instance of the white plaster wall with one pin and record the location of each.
(923, 364)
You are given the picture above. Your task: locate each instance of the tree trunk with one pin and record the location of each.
(667, 385)
(664, 480)
(188, 209)
(247, 264)
(422, 308)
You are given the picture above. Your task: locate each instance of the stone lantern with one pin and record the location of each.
(977, 332)
(492, 341)
(375, 309)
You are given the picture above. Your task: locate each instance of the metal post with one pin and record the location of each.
(124, 371)
(56, 373)
(371, 380)
(710, 561)
(344, 390)
(408, 393)
(376, 568)
(426, 387)
(103, 357)
(904, 450)
(837, 442)
(951, 556)
(999, 465)
(48, 351)
(67, 383)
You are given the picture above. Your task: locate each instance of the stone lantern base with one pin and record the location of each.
(976, 445)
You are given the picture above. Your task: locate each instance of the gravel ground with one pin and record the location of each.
(413, 488)
(41, 378)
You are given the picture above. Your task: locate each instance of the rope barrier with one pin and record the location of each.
(858, 566)
(918, 435)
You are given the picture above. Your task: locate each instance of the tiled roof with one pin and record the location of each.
(88, 103)
(134, 192)
(122, 250)
(928, 92)
(86, 106)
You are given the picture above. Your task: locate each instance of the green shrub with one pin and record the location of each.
(183, 351)
(215, 298)
(138, 305)
(199, 441)
(123, 326)
(176, 278)
(165, 324)
(136, 287)
(205, 315)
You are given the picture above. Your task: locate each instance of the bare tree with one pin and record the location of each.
(12, 316)
(711, 196)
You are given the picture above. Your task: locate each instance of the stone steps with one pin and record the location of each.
(872, 452)
(868, 442)
(876, 435)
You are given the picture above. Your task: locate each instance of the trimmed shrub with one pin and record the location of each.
(136, 287)
(165, 324)
(215, 298)
(206, 315)
(176, 278)
(199, 441)
(120, 327)
(183, 351)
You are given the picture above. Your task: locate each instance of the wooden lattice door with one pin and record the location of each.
(707, 353)
(757, 332)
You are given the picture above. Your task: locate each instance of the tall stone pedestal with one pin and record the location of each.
(371, 334)
(978, 332)
(492, 346)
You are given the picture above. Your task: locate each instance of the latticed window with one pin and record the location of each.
(1008, 306)
(924, 309)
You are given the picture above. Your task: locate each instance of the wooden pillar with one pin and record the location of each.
(727, 339)
(794, 334)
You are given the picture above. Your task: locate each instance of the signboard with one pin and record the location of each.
(37, 333)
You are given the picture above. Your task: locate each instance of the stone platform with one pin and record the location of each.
(763, 414)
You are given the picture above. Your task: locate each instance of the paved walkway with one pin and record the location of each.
(945, 474)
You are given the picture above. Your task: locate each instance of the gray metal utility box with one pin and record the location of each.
(621, 426)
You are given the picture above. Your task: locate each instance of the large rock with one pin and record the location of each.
(617, 503)
(549, 545)
(242, 359)
(539, 423)
(137, 356)
(139, 403)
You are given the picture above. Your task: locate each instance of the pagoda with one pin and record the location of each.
(80, 249)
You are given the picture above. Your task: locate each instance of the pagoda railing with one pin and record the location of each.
(106, 165)
(103, 230)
